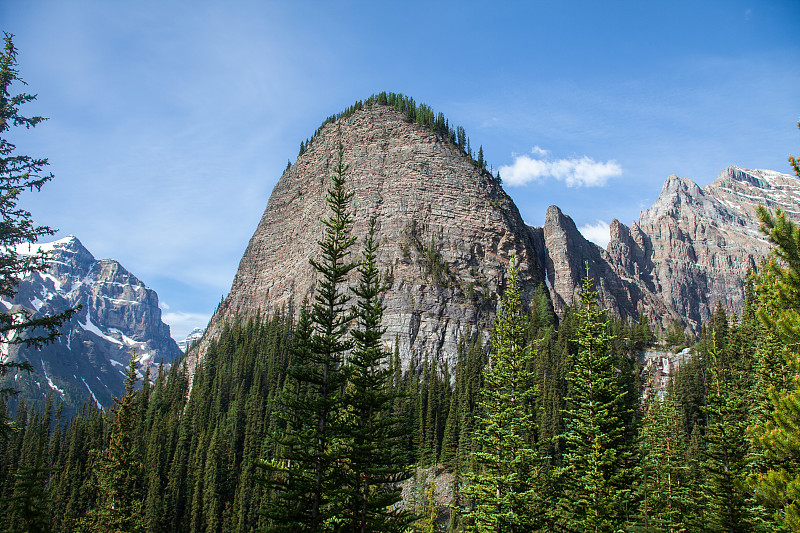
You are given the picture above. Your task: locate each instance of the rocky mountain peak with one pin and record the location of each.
(447, 231)
(445, 226)
(120, 315)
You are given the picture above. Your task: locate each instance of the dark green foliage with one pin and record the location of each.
(376, 463)
(598, 460)
(118, 470)
(307, 466)
(667, 502)
(505, 486)
(777, 435)
(17, 173)
(413, 113)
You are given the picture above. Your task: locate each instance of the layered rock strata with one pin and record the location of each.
(120, 315)
(446, 231)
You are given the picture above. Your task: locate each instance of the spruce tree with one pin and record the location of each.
(778, 285)
(374, 434)
(665, 476)
(597, 461)
(118, 469)
(17, 173)
(505, 487)
(730, 506)
(312, 460)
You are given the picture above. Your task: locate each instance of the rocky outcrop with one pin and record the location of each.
(695, 246)
(446, 231)
(119, 315)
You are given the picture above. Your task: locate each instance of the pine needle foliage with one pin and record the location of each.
(375, 434)
(778, 285)
(311, 458)
(505, 486)
(118, 469)
(597, 462)
(17, 173)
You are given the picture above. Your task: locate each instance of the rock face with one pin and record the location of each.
(695, 246)
(120, 315)
(447, 231)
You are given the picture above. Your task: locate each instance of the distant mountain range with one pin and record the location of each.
(120, 315)
(447, 231)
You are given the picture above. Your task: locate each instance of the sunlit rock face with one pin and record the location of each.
(447, 232)
(119, 316)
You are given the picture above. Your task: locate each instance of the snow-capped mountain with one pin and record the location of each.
(195, 335)
(120, 315)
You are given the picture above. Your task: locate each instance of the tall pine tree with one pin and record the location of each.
(597, 470)
(779, 437)
(313, 458)
(118, 469)
(374, 434)
(505, 488)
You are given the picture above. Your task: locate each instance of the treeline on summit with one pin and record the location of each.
(412, 112)
(315, 425)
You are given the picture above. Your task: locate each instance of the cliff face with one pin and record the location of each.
(119, 315)
(695, 246)
(446, 231)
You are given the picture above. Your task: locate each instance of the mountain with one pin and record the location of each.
(119, 315)
(447, 231)
(695, 246)
(445, 226)
(195, 335)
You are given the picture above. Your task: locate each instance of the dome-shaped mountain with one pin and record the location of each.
(445, 226)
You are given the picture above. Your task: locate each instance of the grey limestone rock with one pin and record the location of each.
(447, 231)
(119, 315)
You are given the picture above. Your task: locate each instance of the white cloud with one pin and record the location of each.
(180, 324)
(538, 150)
(575, 172)
(599, 233)
(164, 306)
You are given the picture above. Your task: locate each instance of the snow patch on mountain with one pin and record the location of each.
(195, 335)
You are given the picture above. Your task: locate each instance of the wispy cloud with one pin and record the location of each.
(575, 172)
(598, 233)
(180, 324)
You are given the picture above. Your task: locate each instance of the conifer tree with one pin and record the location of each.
(779, 437)
(505, 488)
(118, 468)
(666, 500)
(730, 507)
(17, 173)
(318, 372)
(597, 462)
(374, 433)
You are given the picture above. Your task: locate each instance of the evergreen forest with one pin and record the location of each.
(313, 424)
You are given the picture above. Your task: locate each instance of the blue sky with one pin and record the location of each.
(170, 122)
